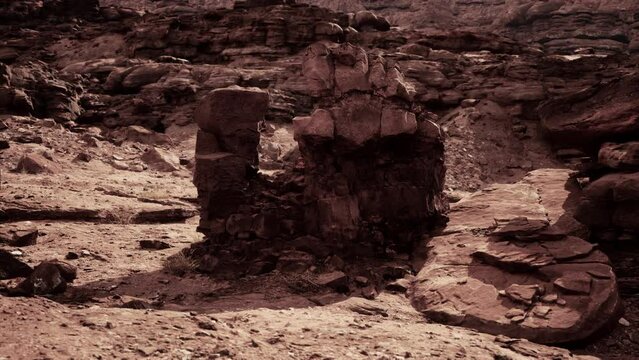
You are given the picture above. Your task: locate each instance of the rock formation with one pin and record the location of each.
(374, 168)
(512, 261)
(559, 26)
(226, 151)
(326, 147)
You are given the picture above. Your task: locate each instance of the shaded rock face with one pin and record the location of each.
(374, 167)
(594, 115)
(511, 262)
(373, 164)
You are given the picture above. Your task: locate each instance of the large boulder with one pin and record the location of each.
(37, 164)
(232, 114)
(508, 264)
(50, 277)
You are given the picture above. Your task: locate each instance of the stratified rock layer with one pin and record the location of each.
(510, 263)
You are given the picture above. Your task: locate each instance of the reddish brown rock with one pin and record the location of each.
(50, 277)
(232, 115)
(37, 164)
(611, 202)
(21, 234)
(622, 156)
(594, 115)
(161, 160)
(476, 281)
(372, 166)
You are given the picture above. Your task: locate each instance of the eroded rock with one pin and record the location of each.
(467, 273)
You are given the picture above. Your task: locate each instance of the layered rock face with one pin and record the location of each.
(374, 163)
(560, 26)
(512, 262)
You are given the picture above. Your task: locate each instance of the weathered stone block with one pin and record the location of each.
(318, 69)
(320, 124)
(338, 216)
(358, 119)
(206, 143)
(351, 69)
(224, 111)
(397, 121)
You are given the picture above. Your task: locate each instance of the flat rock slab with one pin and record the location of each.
(90, 196)
(552, 289)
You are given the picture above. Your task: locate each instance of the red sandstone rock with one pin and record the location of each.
(467, 271)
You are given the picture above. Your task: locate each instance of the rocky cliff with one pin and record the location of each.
(560, 26)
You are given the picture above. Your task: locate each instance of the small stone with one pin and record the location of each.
(83, 157)
(206, 325)
(574, 282)
(518, 319)
(361, 280)
(399, 285)
(161, 160)
(550, 298)
(561, 302)
(541, 311)
(19, 235)
(120, 165)
(50, 277)
(467, 103)
(523, 293)
(514, 312)
(369, 292)
(72, 256)
(36, 164)
(599, 274)
(336, 280)
(624, 322)
(153, 245)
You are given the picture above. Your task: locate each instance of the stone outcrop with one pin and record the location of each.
(225, 154)
(374, 167)
(586, 118)
(512, 262)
